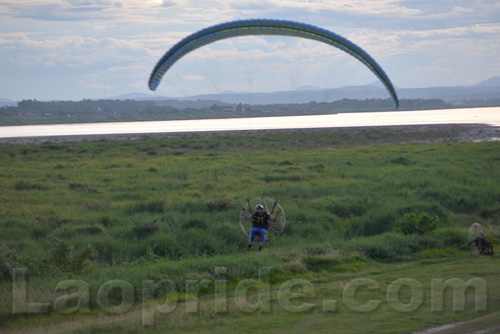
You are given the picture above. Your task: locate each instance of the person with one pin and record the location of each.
(484, 247)
(260, 224)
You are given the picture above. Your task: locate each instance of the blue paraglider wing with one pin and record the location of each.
(266, 27)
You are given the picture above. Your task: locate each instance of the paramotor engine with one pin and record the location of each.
(270, 206)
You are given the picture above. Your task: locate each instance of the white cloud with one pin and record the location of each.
(192, 77)
(357, 7)
(89, 42)
(140, 85)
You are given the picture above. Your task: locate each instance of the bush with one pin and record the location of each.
(392, 246)
(62, 258)
(319, 168)
(219, 204)
(40, 231)
(108, 248)
(143, 229)
(107, 221)
(417, 224)
(69, 230)
(448, 237)
(318, 263)
(153, 206)
(61, 253)
(26, 185)
(317, 249)
(82, 187)
(432, 209)
(375, 222)
(189, 243)
(8, 260)
(227, 235)
(195, 223)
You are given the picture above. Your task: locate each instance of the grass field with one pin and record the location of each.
(167, 208)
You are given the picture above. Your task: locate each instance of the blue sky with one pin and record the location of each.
(76, 49)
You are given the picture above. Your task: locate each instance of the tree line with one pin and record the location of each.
(87, 110)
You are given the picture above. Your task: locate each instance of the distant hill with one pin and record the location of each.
(308, 87)
(7, 103)
(495, 81)
(138, 97)
(484, 90)
(454, 95)
(487, 89)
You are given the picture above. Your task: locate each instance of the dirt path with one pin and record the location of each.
(482, 325)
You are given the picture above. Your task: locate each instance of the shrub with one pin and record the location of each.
(318, 263)
(61, 253)
(40, 231)
(195, 223)
(188, 243)
(448, 237)
(107, 221)
(285, 163)
(62, 258)
(317, 249)
(108, 248)
(229, 236)
(310, 231)
(432, 209)
(319, 168)
(26, 185)
(219, 204)
(82, 187)
(153, 206)
(375, 222)
(419, 224)
(279, 178)
(143, 229)
(69, 230)
(346, 207)
(8, 260)
(401, 161)
(466, 204)
(82, 260)
(392, 246)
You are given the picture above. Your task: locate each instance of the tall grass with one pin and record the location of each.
(99, 189)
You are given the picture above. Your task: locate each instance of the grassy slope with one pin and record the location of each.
(384, 319)
(188, 190)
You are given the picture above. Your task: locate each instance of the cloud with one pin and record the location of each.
(140, 85)
(192, 77)
(59, 10)
(367, 7)
(83, 10)
(95, 41)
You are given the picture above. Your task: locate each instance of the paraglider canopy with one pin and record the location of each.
(266, 27)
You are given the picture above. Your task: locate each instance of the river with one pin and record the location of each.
(486, 116)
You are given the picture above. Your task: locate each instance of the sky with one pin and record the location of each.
(79, 49)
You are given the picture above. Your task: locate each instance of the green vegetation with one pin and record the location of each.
(152, 209)
(94, 111)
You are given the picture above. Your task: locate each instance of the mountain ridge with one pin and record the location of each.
(486, 89)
